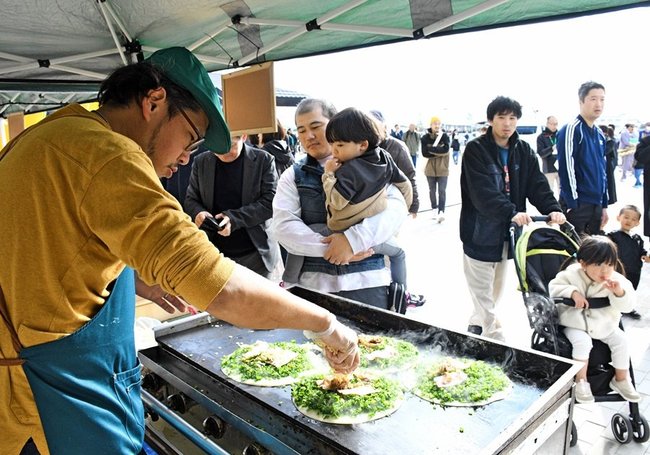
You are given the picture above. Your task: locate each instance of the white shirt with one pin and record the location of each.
(291, 232)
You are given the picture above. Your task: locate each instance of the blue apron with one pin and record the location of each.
(87, 385)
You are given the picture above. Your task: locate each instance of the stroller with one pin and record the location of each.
(538, 256)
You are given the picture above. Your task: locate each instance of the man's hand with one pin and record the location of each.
(340, 346)
(521, 219)
(557, 217)
(164, 300)
(200, 217)
(339, 251)
(226, 231)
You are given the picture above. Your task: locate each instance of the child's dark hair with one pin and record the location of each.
(352, 125)
(597, 249)
(631, 208)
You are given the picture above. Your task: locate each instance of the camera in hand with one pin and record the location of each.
(211, 225)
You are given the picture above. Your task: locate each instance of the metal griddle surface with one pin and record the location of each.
(417, 426)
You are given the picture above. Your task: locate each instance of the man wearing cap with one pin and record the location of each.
(435, 147)
(81, 199)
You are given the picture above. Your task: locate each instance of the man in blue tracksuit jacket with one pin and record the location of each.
(582, 165)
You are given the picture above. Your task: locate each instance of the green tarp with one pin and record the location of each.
(56, 52)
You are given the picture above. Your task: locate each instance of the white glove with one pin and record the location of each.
(341, 350)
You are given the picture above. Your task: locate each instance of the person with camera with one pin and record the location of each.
(230, 197)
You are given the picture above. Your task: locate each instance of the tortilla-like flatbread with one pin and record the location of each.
(387, 354)
(332, 406)
(271, 364)
(483, 383)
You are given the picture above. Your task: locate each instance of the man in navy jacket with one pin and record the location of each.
(582, 164)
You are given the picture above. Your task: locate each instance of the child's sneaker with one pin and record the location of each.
(416, 300)
(583, 392)
(625, 389)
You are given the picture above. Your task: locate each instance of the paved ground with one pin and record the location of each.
(434, 258)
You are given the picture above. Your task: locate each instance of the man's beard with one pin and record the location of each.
(151, 146)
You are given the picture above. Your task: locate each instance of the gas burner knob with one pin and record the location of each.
(178, 402)
(153, 415)
(151, 382)
(214, 426)
(254, 449)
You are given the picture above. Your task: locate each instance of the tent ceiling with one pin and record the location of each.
(56, 52)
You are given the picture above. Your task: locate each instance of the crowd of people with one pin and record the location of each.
(328, 217)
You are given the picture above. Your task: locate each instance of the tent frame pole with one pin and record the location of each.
(456, 18)
(300, 31)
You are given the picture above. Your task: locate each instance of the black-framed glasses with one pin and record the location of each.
(194, 146)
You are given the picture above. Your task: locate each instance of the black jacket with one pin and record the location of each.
(282, 154)
(642, 155)
(545, 143)
(486, 209)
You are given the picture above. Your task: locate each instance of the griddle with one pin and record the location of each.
(189, 356)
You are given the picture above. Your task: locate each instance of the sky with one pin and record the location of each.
(455, 77)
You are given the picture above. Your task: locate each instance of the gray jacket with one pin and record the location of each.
(258, 189)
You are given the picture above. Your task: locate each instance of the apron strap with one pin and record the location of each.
(4, 312)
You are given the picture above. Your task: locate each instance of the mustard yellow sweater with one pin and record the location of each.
(78, 202)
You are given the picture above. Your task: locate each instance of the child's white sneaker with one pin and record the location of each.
(625, 389)
(583, 392)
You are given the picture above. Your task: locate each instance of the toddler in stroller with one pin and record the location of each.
(539, 254)
(593, 275)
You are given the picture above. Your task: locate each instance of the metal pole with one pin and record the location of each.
(191, 433)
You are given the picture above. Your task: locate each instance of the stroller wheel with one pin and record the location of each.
(622, 428)
(640, 430)
(574, 435)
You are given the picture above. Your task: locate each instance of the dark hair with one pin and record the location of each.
(632, 208)
(503, 105)
(311, 104)
(278, 135)
(598, 249)
(352, 125)
(608, 130)
(585, 88)
(254, 139)
(132, 83)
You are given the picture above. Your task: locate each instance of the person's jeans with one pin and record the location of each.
(439, 185)
(415, 159)
(377, 296)
(397, 261)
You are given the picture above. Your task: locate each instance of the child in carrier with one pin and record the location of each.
(356, 177)
(631, 252)
(594, 276)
